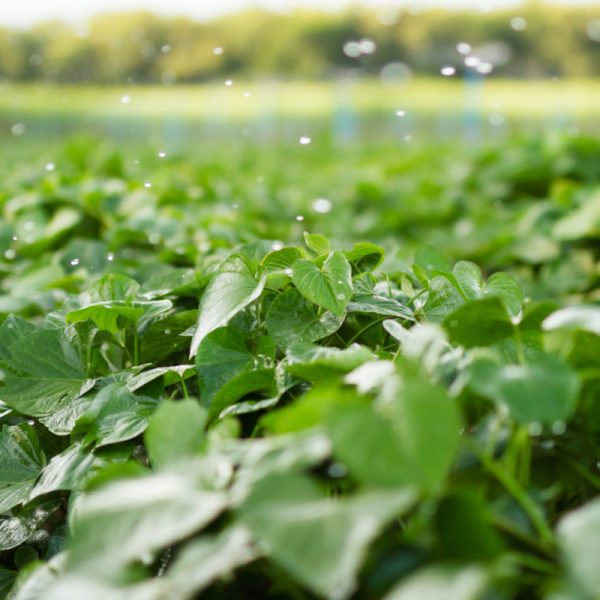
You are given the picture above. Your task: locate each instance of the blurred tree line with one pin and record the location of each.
(533, 41)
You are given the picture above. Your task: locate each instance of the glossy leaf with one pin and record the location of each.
(329, 286)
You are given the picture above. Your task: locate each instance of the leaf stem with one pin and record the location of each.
(514, 488)
(136, 347)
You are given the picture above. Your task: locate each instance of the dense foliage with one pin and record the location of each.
(536, 40)
(200, 397)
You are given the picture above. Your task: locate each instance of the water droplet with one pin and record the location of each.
(322, 205)
(299, 218)
(305, 140)
(167, 332)
(472, 61)
(10, 254)
(535, 429)
(400, 113)
(30, 422)
(218, 51)
(74, 262)
(14, 238)
(229, 82)
(276, 246)
(110, 257)
(559, 427)
(162, 154)
(288, 271)
(448, 71)
(518, 24)
(367, 46)
(337, 470)
(485, 68)
(125, 99)
(147, 184)
(166, 49)
(18, 129)
(50, 167)
(340, 296)
(464, 48)
(351, 49)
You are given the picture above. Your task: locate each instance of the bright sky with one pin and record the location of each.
(25, 13)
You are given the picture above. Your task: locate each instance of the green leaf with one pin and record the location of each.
(431, 261)
(367, 444)
(413, 441)
(280, 260)
(113, 287)
(427, 423)
(380, 305)
(319, 244)
(481, 322)
(170, 375)
(502, 285)
(21, 462)
(234, 287)
(40, 383)
(18, 527)
(122, 415)
(12, 330)
(364, 256)
(310, 410)
(443, 298)
(464, 527)
(66, 471)
(544, 390)
(7, 578)
(582, 318)
(581, 222)
(292, 320)
(126, 520)
(442, 582)
(204, 560)
(330, 286)
(256, 381)
(222, 355)
(313, 362)
(508, 289)
(578, 537)
(319, 541)
(175, 431)
(105, 315)
(469, 279)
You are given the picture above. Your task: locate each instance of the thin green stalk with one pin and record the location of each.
(514, 488)
(365, 328)
(184, 387)
(520, 347)
(136, 347)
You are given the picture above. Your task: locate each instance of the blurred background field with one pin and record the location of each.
(399, 75)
